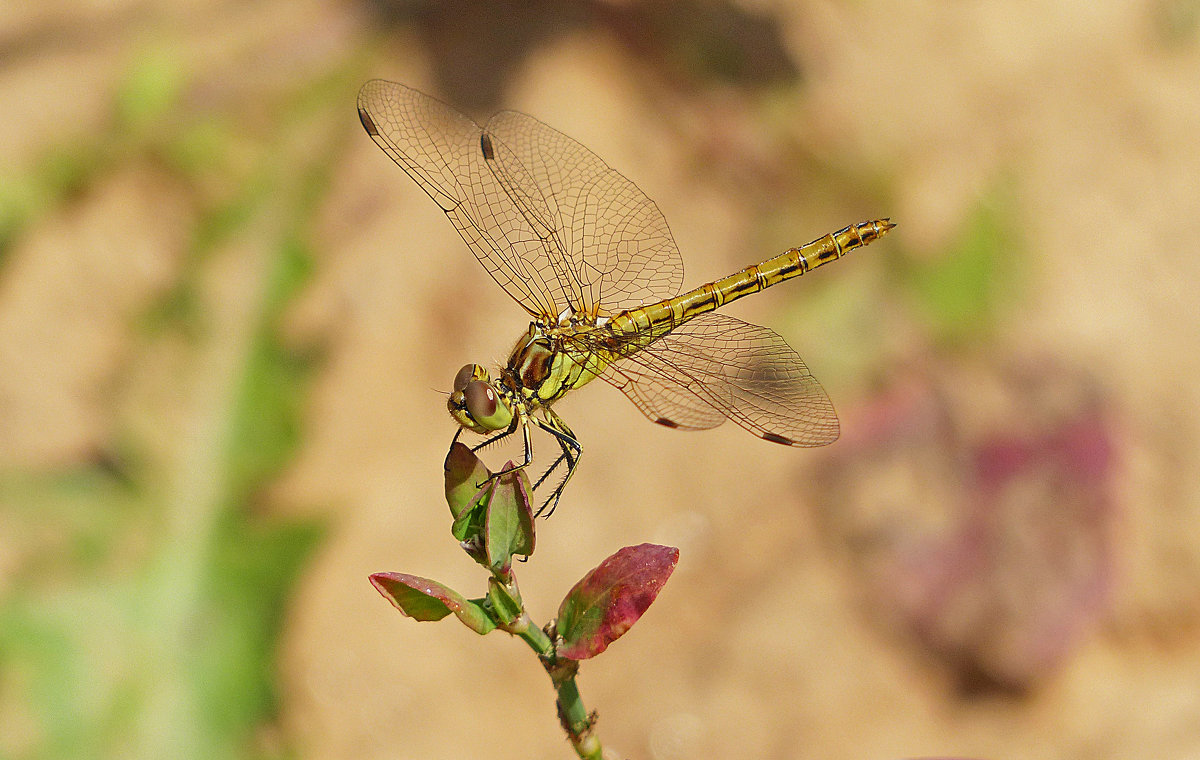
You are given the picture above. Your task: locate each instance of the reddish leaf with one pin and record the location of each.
(611, 598)
(424, 600)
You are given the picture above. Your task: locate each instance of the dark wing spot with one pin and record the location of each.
(368, 125)
(773, 438)
(667, 423)
(485, 144)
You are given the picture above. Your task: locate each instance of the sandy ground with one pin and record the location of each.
(800, 621)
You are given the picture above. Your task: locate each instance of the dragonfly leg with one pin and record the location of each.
(571, 451)
(553, 424)
(520, 421)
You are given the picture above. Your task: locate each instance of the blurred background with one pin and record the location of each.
(227, 323)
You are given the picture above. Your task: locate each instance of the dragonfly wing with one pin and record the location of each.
(661, 393)
(442, 150)
(716, 366)
(608, 247)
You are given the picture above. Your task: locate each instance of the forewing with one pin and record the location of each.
(443, 151)
(608, 247)
(716, 366)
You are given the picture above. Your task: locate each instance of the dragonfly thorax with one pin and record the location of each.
(543, 367)
(532, 359)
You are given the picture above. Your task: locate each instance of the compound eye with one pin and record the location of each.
(486, 407)
(464, 376)
(480, 399)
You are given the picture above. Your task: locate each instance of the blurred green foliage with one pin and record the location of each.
(143, 615)
(142, 103)
(1177, 21)
(959, 291)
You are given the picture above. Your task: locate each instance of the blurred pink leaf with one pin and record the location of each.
(987, 535)
(611, 598)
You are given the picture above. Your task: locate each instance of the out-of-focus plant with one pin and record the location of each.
(145, 589)
(962, 290)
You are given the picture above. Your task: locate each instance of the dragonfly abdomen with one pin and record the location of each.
(662, 317)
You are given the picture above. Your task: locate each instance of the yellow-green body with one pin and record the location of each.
(551, 360)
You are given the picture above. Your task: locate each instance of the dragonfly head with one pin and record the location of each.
(476, 404)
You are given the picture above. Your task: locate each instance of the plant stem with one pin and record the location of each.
(535, 637)
(575, 720)
(572, 715)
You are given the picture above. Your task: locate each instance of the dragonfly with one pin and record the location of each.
(590, 259)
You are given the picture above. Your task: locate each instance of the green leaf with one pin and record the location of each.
(508, 527)
(611, 598)
(506, 604)
(425, 600)
(469, 488)
(466, 476)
